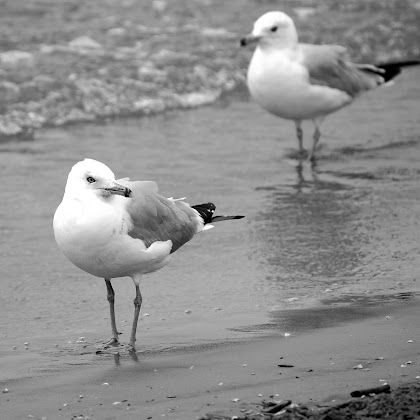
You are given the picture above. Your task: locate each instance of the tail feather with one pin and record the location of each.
(206, 212)
(221, 218)
(393, 69)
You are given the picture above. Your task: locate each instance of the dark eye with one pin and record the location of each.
(273, 29)
(90, 179)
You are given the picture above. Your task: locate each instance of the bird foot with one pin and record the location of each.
(113, 342)
(302, 154)
(133, 353)
(313, 161)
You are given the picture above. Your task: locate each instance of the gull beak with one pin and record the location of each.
(249, 39)
(118, 189)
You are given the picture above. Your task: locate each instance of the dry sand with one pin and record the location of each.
(226, 378)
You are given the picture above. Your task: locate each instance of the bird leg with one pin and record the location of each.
(137, 305)
(317, 135)
(299, 134)
(111, 299)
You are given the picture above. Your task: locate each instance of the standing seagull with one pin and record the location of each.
(120, 228)
(304, 81)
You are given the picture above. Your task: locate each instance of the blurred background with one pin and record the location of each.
(69, 60)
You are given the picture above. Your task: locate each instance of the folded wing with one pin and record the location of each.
(156, 218)
(328, 65)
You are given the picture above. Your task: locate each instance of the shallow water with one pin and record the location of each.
(349, 228)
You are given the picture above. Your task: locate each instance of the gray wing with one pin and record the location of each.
(328, 65)
(156, 218)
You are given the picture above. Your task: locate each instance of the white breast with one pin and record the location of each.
(95, 239)
(280, 84)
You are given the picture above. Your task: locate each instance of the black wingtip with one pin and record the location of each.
(393, 69)
(206, 211)
(221, 218)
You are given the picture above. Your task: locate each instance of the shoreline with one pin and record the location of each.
(225, 378)
(66, 62)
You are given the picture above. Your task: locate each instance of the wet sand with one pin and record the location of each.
(329, 255)
(324, 255)
(349, 260)
(224, 378)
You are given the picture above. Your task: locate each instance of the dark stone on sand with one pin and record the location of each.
(277, 407)
(369, 391)
(402, 403)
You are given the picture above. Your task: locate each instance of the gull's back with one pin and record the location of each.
(156, 218)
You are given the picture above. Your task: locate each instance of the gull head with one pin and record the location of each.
(92, 177)
(273, 29)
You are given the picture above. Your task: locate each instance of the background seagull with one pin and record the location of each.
(304, 81)
(120, 228)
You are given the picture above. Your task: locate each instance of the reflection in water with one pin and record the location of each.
(307, 230)
(308, 233)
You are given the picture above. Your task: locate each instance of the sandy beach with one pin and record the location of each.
(378, 346)
(356, 259)
(313, 295)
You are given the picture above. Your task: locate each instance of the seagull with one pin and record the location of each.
(299, 81)
(121, 228)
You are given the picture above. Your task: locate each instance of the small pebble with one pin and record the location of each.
(358, 367)
(403, 365)
(379, 358)
(244, 365)
(171, 396)
(410, 341)
(146, 314)
(105, 383)
(26, 344)
(260, 395)
(116, 403)
(409, 362)
(65, 405)
(217, 309)
(387, 317)
(5, 391)
(235, 400)
(252, 373)
(221, 383)
(417, 377)
(187, 311)
(286, 334)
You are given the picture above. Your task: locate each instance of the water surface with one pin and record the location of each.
(349, 228)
